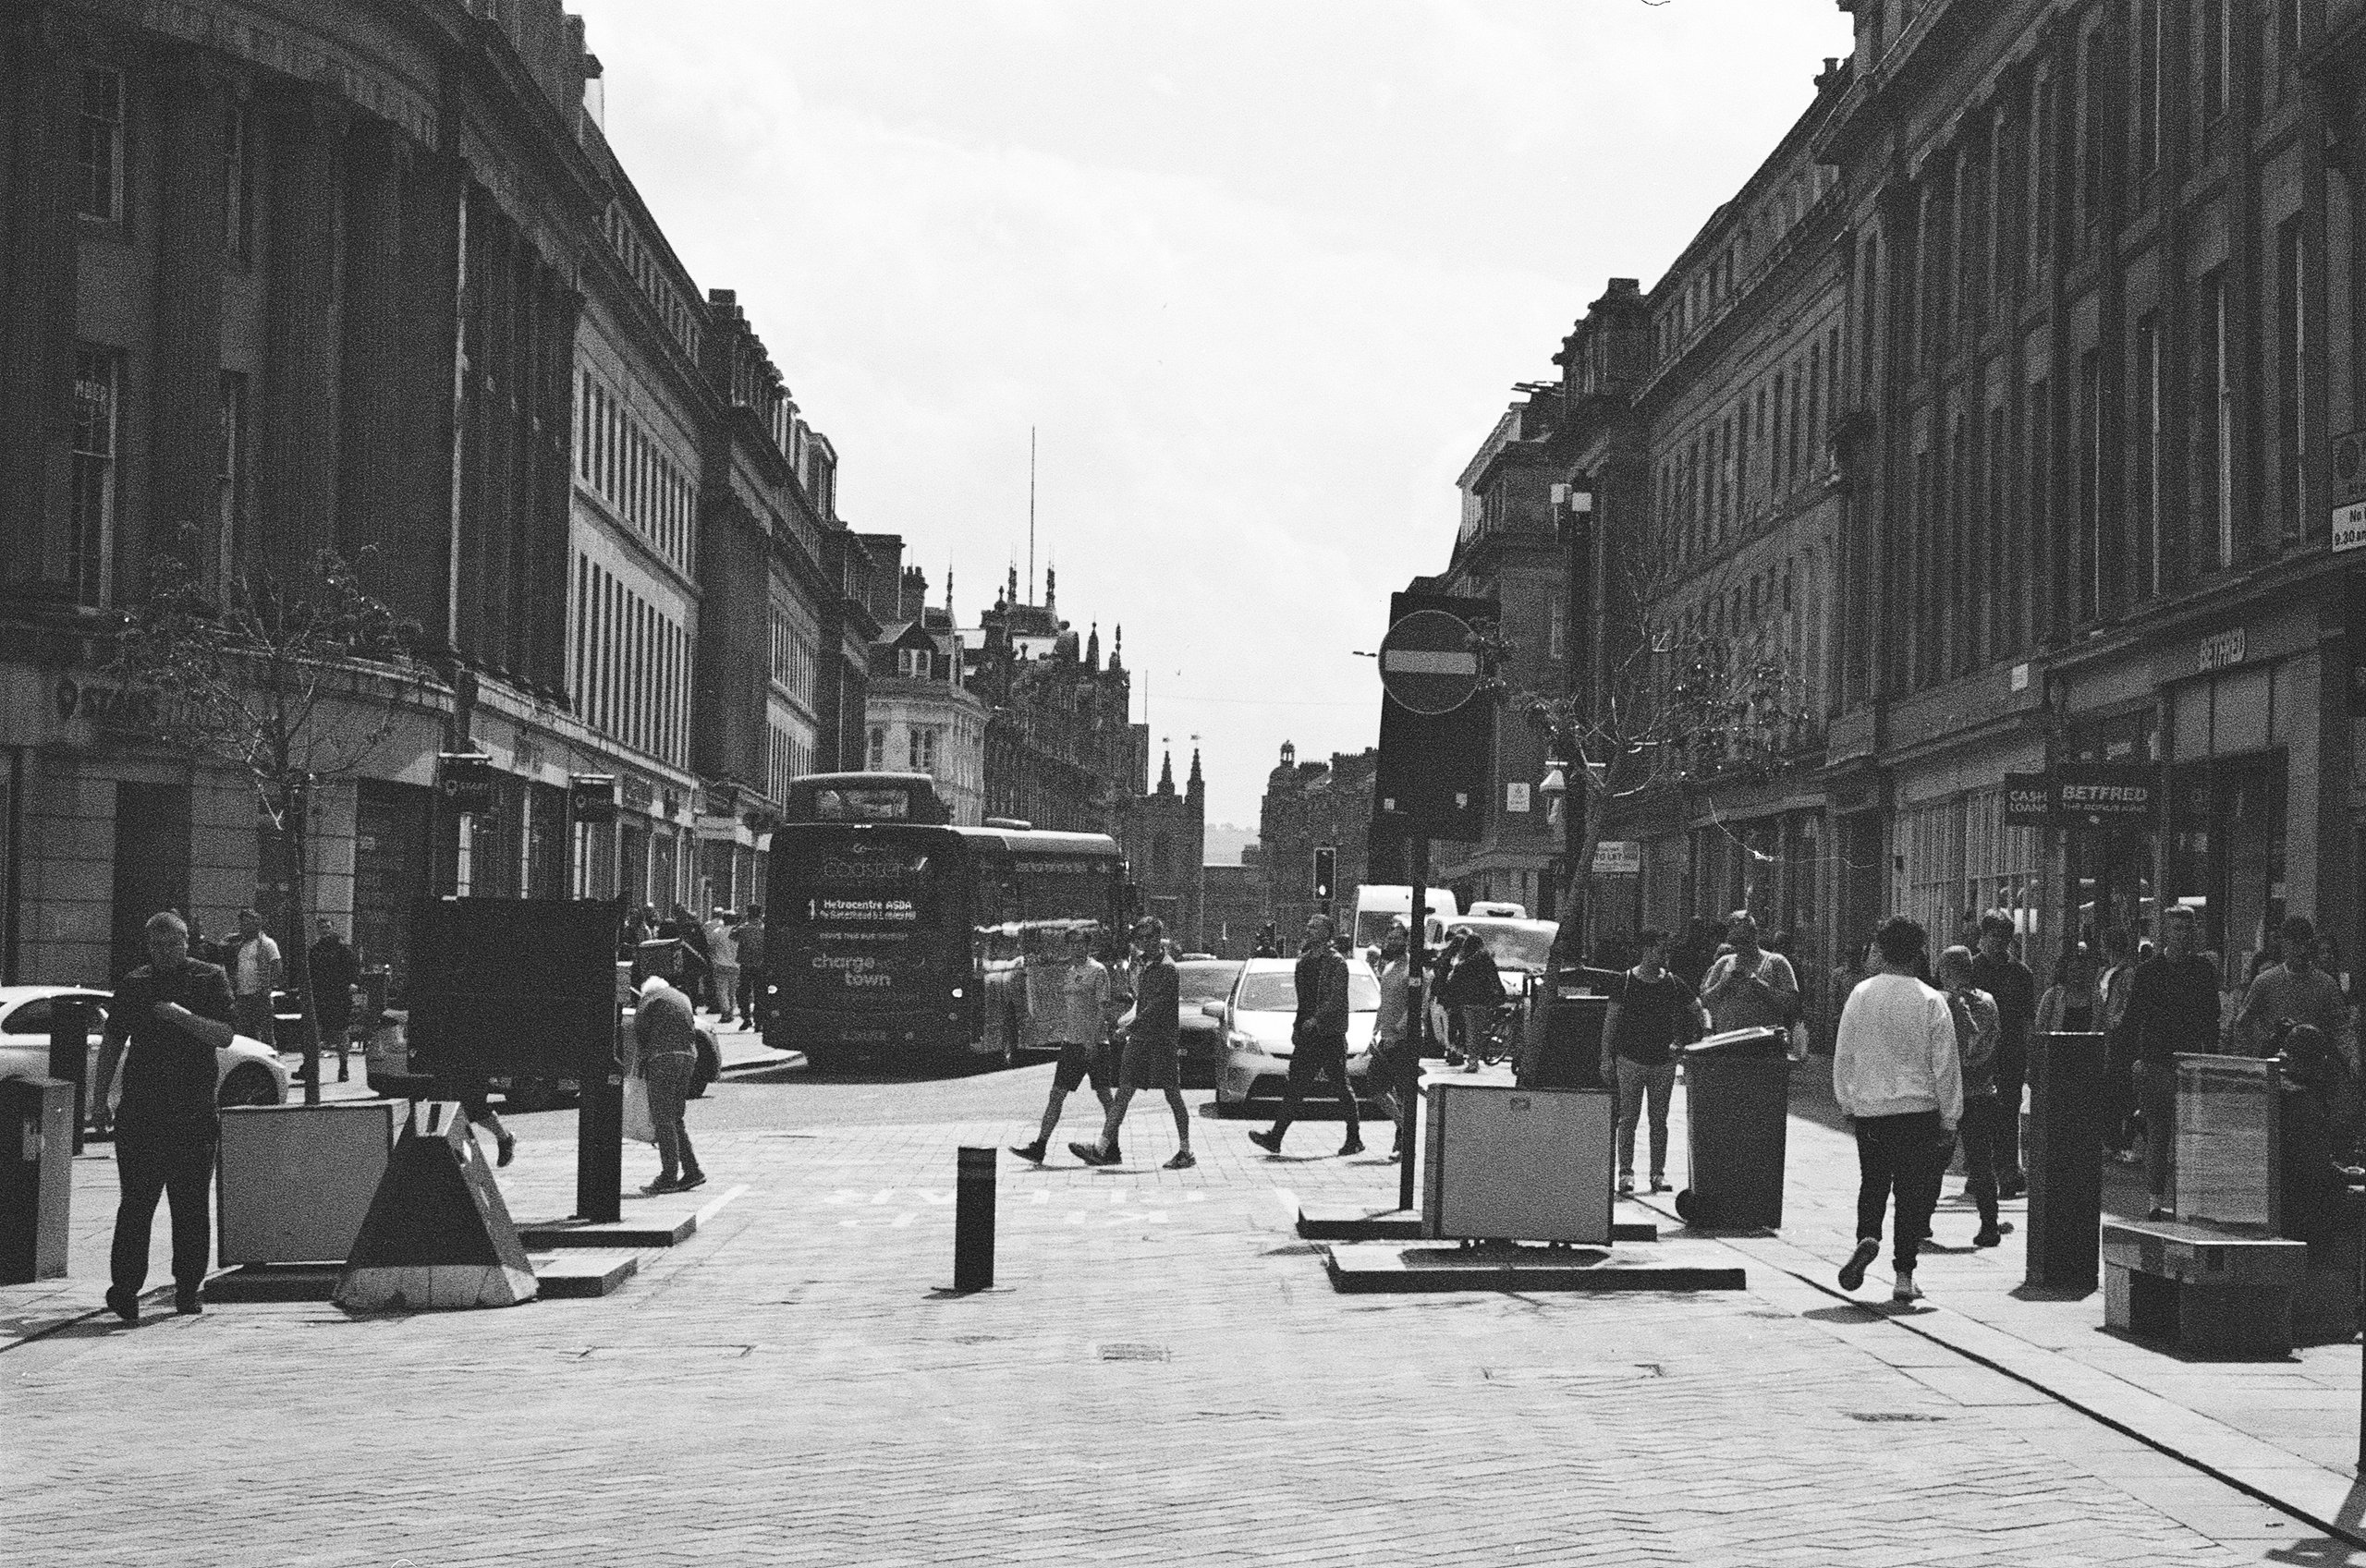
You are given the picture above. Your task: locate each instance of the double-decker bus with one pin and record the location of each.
(893, 934)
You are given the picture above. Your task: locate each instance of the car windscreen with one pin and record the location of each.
(1276, 991)
(1205, 982)
(866, 884)
(1515, 947)
(34, 1017)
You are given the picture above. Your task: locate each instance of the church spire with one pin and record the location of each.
(1166, 773)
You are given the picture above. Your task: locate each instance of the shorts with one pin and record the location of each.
(1152, 1064)
(1077, 1061)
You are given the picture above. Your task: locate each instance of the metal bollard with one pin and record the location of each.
(973, 1222)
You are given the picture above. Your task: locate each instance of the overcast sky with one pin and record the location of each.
(1262, 276)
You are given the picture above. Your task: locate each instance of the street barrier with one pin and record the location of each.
(973, 1221)
(36, 1178)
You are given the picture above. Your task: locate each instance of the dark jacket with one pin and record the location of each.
(1158, 1004)
(1322, 977)
(2172, 1006)
(2013, 989)
(335, 970)
(168, 1078)
(1474, 982)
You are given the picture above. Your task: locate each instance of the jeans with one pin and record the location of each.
(1396, 1070)
(1327, 1055)
(669, 1087)
(154, 1165)
(752, 992)
(255, 1020)
(726, 987)
(1906, 1156)
(1476, 1021)
(1634, 1082)
(1984, 1116)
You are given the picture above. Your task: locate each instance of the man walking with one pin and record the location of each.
(175, 1013)
(1899, 1081)
(1652, 1015)
(1067, 994)
(2172, 1006)
(1750, 987)
(1319, 1039)
(723, 952)
(2008, 982)
(749, 936)
(255, 973)
(335, 971)
(666, 1033)
(1974, 1012)
(1396, 1055)
(1153, 1040)
(1476, 989)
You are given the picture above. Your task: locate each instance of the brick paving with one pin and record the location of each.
(1161, 1375)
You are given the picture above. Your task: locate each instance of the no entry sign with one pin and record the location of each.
(1427, 664)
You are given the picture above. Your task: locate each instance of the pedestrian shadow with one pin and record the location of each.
(2327, 1551)
(2052, 1293)
(1847, 1312)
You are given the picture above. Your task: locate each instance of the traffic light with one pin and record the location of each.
(1326, 865)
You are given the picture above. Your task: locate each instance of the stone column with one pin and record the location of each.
(39, 256)
(416, 575)
(185, 421)
(296, 467)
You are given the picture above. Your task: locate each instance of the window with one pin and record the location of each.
(236, 182)
(2215, 417)
(98, 382)
(2037, 442)
(2092, 592)
(2148, 86)
(230, 469)
(913, 663)
(1774, 453)
(1815, 360)
(2292, 350)
(2214, 37)
(98, 147)
(1556, 635)
(878, 748)
(923, 749)
(2147, 454)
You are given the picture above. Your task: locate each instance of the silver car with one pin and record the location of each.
(246, 1071)
(1257, 1019)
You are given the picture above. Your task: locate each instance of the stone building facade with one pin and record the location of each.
(922, 717)
(1233, 905)
(1308, 805)
(1164, 834)
(1061, 749)
(284, 277)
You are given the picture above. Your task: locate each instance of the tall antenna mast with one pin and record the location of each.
(1031, 514)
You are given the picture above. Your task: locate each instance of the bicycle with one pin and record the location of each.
(1500, 1041)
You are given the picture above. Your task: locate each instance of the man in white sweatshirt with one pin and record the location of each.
(1899, 1081)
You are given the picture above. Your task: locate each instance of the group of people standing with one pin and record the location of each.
(717, 963)
(251, 960)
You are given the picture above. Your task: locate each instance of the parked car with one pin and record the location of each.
(1257, 1017)
(246, 1072)
(1199, 981)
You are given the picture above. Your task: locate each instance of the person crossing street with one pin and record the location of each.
(1152, 1036)
(1068, 994)
(1319, 1039)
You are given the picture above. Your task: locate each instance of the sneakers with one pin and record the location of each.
(661, 1185)
(1905, 1291)
(124, 1304)
(1031, 1152)
(1626, 1183)
(505, 1148)
(1270, 1142)
(1355, 1145)
(2161, 1212)
(695, 1179)
(1659, 1183)
(1183, 1160)
(1992, 1235)
(1091, 1154)
(1852, 1273)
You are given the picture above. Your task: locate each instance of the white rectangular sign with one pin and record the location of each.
(2350, 526)
(1515, 796)
(1619, 856)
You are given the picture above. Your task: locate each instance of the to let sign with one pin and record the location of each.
(1618, 858)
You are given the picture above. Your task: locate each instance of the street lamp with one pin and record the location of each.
(1573, 519)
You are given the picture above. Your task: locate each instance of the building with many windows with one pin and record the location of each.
(287, 278)
(922, 717)
(1062, 750)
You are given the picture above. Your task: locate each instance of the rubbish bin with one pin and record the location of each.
(1737, 1101)
(36, 1177)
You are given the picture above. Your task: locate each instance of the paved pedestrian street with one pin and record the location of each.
(1161, 1374)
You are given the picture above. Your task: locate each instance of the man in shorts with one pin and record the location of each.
(1068, 1008)
(1152, 1049)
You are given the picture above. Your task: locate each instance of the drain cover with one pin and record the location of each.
(1133, 1352)
(1889, 1415)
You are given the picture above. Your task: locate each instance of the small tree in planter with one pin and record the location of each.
(294, 679)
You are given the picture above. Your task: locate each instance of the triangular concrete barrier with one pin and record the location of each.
(438, 1235)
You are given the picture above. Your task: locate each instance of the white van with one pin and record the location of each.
(1377, 905)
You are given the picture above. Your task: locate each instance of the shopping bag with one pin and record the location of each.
(638, 1127)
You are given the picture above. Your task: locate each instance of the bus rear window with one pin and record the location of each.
(885, 887)
(880, 804)
(1064, 890)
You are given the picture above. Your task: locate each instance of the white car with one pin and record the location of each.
(1257, 1017)
(246, 1071)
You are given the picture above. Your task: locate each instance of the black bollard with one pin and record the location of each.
(69, 1056)
(2065, 1158)
(973, 1222)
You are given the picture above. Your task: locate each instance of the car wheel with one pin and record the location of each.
(248, 1085)
(530, 1094)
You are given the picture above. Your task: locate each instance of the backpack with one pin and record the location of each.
(709, 1066)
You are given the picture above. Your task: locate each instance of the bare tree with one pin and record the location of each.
(293, 679)
(1687, 697)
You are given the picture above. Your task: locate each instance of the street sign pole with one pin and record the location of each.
(1408, 1117)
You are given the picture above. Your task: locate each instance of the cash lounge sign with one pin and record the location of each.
(2084, 795)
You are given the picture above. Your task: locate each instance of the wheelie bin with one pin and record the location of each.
(1736, 1104)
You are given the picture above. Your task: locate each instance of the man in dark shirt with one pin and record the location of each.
(2010, 985)
(1152, 1043)
(1652, 1013)
(334, 970)
(2172, 1006)
(1319, 1039)
(176, 1013)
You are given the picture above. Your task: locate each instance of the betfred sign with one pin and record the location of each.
(2105, 794)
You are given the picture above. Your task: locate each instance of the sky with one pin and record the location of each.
(1261, 277)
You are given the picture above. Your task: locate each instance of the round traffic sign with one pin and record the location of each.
(1427, 663)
